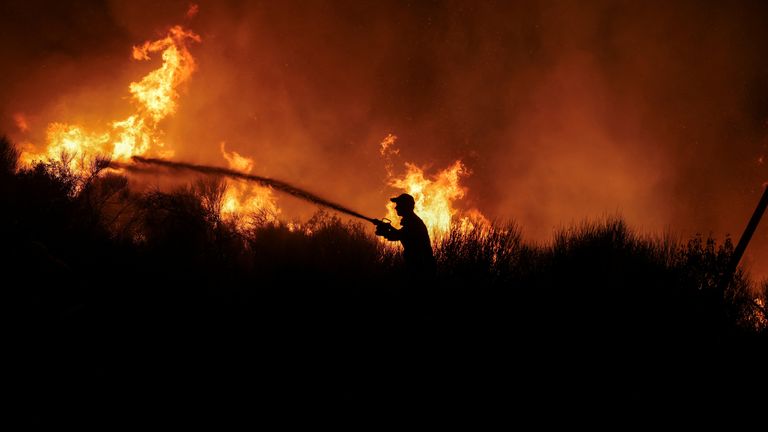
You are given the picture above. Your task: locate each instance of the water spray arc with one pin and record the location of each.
(264, 181)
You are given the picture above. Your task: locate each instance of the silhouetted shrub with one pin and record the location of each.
(131, 276)
(9, 157)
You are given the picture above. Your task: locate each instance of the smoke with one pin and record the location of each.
(657, 111)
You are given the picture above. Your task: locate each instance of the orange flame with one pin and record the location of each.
(434, 196)
(246, 199)
(387, 149)
(156, 97)
(235, 160)
(156, 92)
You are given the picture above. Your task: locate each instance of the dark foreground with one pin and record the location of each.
(134, 354)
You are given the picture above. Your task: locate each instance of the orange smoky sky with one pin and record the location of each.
(657, 110)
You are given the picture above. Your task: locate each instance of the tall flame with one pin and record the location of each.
(434, 196)
(155, 96)
(156, 92)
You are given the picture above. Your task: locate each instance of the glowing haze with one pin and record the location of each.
(560, 111)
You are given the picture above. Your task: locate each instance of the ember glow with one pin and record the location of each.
(155, 97)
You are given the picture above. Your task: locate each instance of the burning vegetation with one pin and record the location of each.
(115, 269)
(92, 166)
(156, 97)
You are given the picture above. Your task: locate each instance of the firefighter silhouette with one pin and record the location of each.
(417, 247)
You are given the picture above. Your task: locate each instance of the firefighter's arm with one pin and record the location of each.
(393, 234)
(386, 230)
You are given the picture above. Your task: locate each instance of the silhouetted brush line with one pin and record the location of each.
(159, 258)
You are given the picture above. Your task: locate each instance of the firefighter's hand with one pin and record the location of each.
(383, 229)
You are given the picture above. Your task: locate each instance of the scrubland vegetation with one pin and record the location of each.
(114, 290)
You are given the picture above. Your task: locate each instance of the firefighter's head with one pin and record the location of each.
(404, 204)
